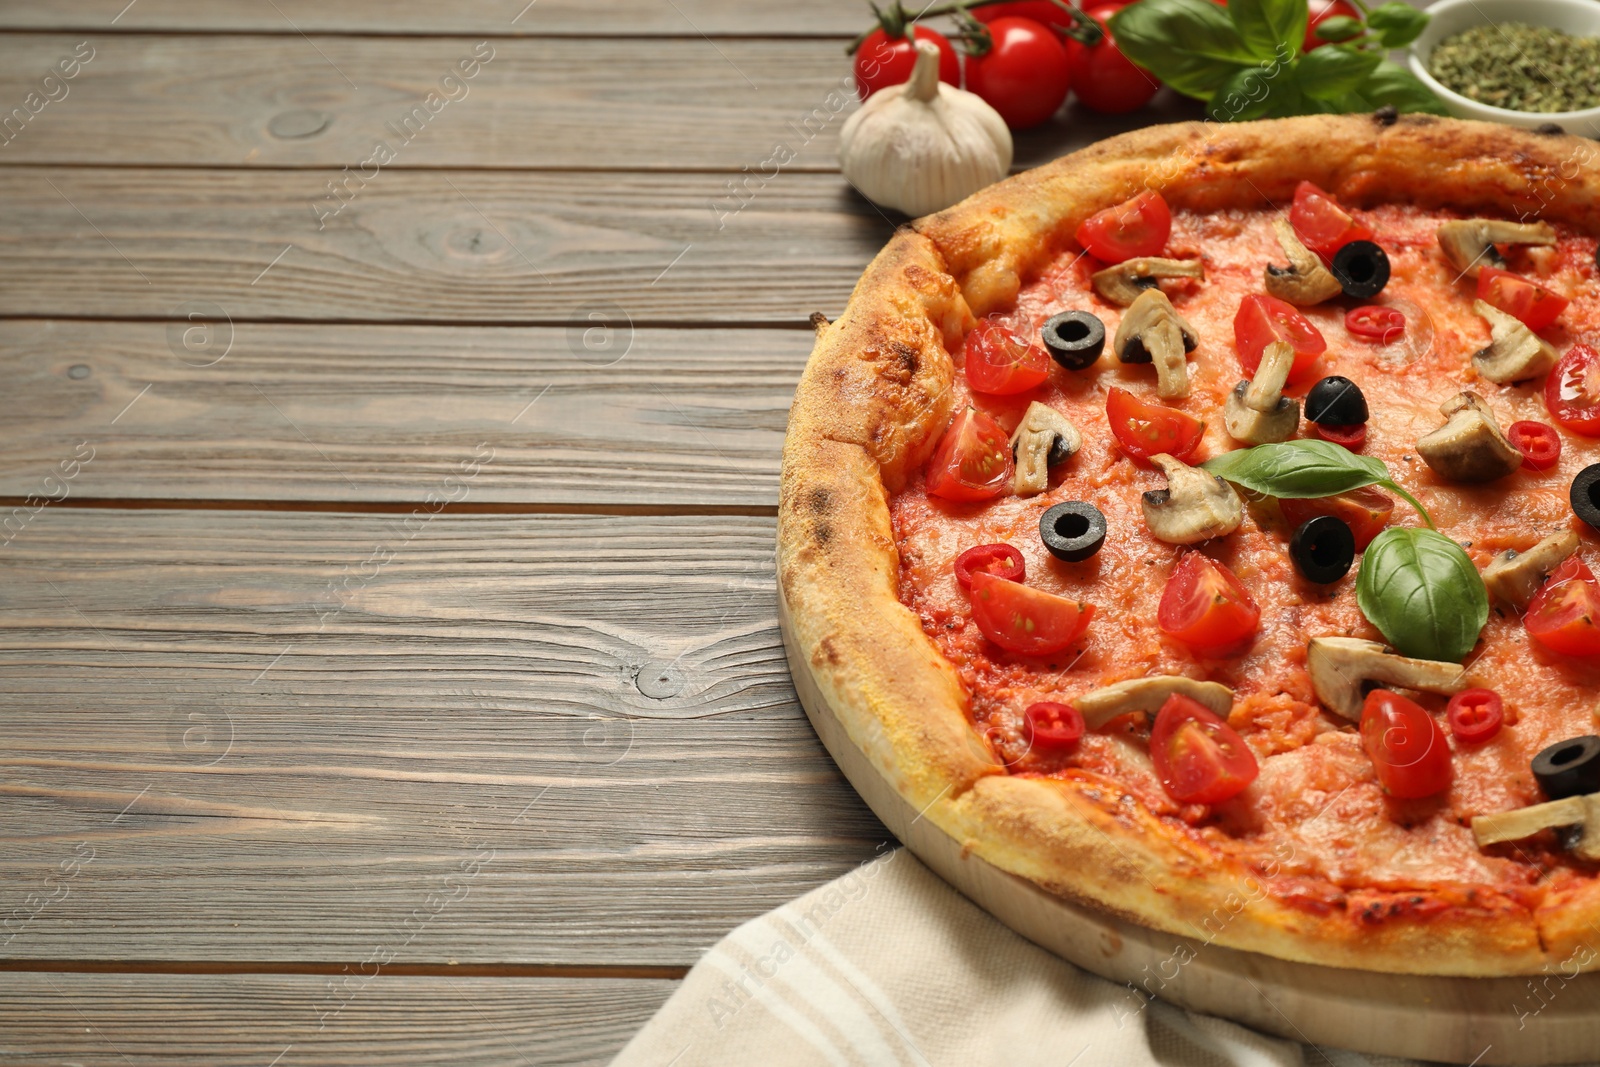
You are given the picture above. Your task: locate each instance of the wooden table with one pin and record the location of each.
(390, 664)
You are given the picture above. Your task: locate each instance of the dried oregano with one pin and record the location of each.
(1520, 67)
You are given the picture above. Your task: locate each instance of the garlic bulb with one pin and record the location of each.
(924, 145)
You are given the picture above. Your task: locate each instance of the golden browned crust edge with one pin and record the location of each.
(871, 403)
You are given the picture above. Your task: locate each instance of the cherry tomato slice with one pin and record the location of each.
(1263, 319)
(1385, 325)
(882, 61)
(1144, 429)
(1199, 758)
(1024, 75)
(1564, 615)
(1351, 437)
(1000, 560)
(1001, 362)
(972, 461)
(1539, 444)
(1407, 747)
(1026, 620)
(1051, 726)
(1529, 301)
(1321, 224)
(1137, 227)
(1572, 391)
(1475, 715)
(1103, 78)
(1205, 606)
(1365, 511)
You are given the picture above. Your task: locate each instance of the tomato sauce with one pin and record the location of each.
(1316, 816)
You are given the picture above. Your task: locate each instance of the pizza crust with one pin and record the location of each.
(869, 408)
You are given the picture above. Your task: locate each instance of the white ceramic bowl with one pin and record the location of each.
(1581, 18)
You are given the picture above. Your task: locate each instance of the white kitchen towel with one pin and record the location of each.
(888, 966)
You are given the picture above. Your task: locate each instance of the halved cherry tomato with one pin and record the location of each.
(1564, 615)
(1475, 715)
(1025, 74)
(1137, 227)
(1029, 621)
(1001, 362)
(1365, 511)
(1144, 429)
(1539, 444)
(1529, 301)
(882, 61)
(972, 460)
(1321, 11)
(1205, 606)
(1351, 437)
(1321, 224)
(1049, 725)
(1000, 560)
(1264, 319)
(1376, 322)
(1572, 391)
(1104, 79)
(1407, 747)
(1199, 758)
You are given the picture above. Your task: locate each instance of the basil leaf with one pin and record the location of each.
(1397, 24)
(1304, 470)
(1339, 28)
(1246, 95)
(1191, 45)
(1421, 590)
(1392, 84)
(1332, 72)
(1270, 29)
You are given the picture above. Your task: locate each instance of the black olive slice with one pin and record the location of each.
(1569, 768)
(1362, 268)
(1323, 549)
(1336, 401)
(1073, 531)
(1074, 339)
(1586, 495)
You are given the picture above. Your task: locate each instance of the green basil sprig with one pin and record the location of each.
(1306, 470)
(1245, 60)
(1421, 590)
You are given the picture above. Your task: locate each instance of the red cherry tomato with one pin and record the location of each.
(1144, 429)
(1321, 223)
(1407, 747)
(1104, 79)
(1365, 511)
(1385, 325)
(1475, 715)
(972, 460)
(1051, 726)
(1000, 560)
(1264, 319)
(1026, 620)
(1529, 301)
(1199, 758)
(1539, 444)
(1045, 12)
(882, 61)
(1205, 606)
(1572, 391)
(1137, 227)
(1564, 615)
(1002, 362)
(1321, 11)
(1353, 437)
(1025, 75)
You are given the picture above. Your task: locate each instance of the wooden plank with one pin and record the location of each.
(430, 247)
(112, 1020)
(666, 417)
(548, 740)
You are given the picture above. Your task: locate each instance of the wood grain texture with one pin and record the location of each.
(597, 413)
(276, 736)
(100, 1020)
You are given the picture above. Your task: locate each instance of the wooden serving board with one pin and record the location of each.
(1480, 1021)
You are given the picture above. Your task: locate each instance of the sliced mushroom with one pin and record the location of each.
(1469, 244)
(1123, 283)
(1342, 668)
(1152, 332)
(1195, 506)
(1515, 353)
(1043, 438)
(1257, 412)
(1469, 447)
(1580, 812)
(1513, 577)
(1305, 281)
(1147, 695)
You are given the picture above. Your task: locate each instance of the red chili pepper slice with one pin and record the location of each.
(1000, 560)
(1049, 725)
(1475, 715)
(1351, 437)
(1539, 444)
(1375, 322)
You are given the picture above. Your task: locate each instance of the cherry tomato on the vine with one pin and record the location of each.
(1572, 391)
(1365, 511)
(1001, 362)
(972, 461)
(1199, 758)
(1205, 606)
(1000, 560)
(1475, 715)
(1045, 12)
(1052, 726)
(1321, 223)
(1024, 75)
(1263, 319)
(1025, 620)
(1104, 79)
(882, 61)
(1144, 429)
(1564, 615)
(1321, 11)
(1407, 747)
(1133, 228)
(1539, 444)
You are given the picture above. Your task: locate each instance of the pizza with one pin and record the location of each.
(1199, 527)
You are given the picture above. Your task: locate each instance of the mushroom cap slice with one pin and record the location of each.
(1469, 244)
(1305, 281)
(1147, 695)
(1257, 412)
(1341, 668)
(1514, 353)
(1469, 447)
(1042, 435)
(1582, 812)
(1151, 330)
(1123, 283)
(1196, 505)
(1512, 577)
